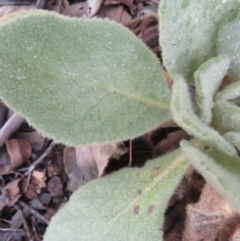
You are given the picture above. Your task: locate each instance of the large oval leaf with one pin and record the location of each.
(127, 205)
(80, 81)
(189, 32)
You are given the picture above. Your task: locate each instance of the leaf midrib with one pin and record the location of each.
(177, 161)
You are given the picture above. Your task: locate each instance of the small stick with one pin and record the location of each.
(15, 3)
(234, 231)
(35, 230)
(118, 15)
(10, 229)
(34, 212)
(40, 4)
(25, 224)
(60, 3)
(5, 220)
(10, 126)
(66, 3)
(130, 153)
(36, 162)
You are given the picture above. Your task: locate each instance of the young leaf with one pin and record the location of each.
(230, 92)
(80, 81)
(184, 116)
(207, 81)
(233, 138)
(188, 34)
(221, 171)
(226, 116)
(229, 42)
(127, 205)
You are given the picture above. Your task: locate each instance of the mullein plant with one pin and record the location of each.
(84, 81)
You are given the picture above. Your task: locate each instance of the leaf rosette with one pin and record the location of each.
(207, 35)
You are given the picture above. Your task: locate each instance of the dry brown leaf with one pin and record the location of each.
(50, 213)
(93, 159)
(10, 194)
(194, 178)
(93, 6)
(36, 204)
(54, 5)
(19, 151)
(53, 170)
(11, 125)
(210, 219)
(5, 164)
(110, 12)
(55, 186)
(85, 163)
(12, 188)
(16, 222)
(4, 10)
(76, 10)
(40, 178)
(37, 182)
(4, 200)
(3, 113)
(146, 28)
(4, 169)
(235, 234)
(170, 142)
(72, 170)
(36, 139)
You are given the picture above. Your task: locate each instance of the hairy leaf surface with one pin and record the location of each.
(127, 205)
(184, 116)
(226, 116)
(207, 81)
(229, 42)
(233, 138)
(80, 81)
(220, 170)
(189, 32)
(230, 92)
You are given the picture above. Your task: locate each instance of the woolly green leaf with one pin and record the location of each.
(221, 171)
(207, 81)
(226, 116)
(230, 92)
(189, 30)
(233, 138)
(184, 116)
(127, 205)
(229, 43)
(80, 81)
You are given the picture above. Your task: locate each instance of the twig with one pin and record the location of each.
(15, 3)
(130, 153)
(34, 212)
(25, 224)
(10, 229)
(66, 3)
(3, 182)
(60, 3)
(40, 4)
(234, 231)
(119, 12)
(11, 125)
(35, 230)
(36, 162)
(5, 220)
